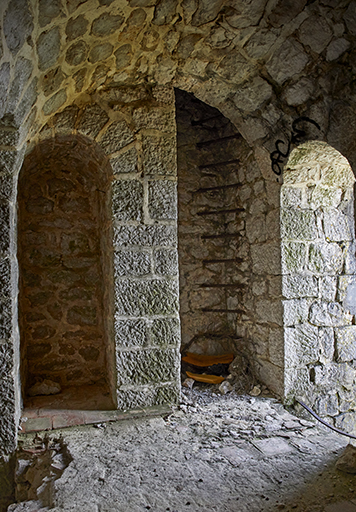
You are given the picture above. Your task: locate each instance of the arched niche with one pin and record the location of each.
(319, 281)
(65, 262)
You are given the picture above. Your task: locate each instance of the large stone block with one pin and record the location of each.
(166, 262)
(132, 263)
(327, 288)
(117, 136)
(48, 48)
(145, 396)
(125, 162)
(151, 297)
(18, 25)
(345, 338)
(55, 102)
(149, 236)
(301, 345)
(293, 257)
(127, 200)
(93, 119)
(327, 197)
(5, 279)
(156, 119)
(266, 258)
(165, 331)
(295, 311)
(336, 226)
(269, 311)
(327, 405)
(22, 73)
(298, 224)
(147, 366)
(159, 155)
(298, 285)
(131, 333)
(162, 200)
(325, 258)
(327, 344)
(286, 62)
(329, 314)
(106, 24)
(291, 197)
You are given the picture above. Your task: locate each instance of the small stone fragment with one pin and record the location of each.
(225, 387)
(255, 391)
(46, 387)
(347, 461)
(188, 383)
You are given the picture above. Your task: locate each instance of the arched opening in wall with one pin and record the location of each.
(214, 266)
(65, 261)
(319, 281)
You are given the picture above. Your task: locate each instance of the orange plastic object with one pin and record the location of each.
(201, 360)
(209, 379)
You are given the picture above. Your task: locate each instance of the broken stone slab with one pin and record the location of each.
(225, 387)
(188, 383)
(255, 391)
(46, 387)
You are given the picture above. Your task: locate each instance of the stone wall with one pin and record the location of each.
(65, 257)
(319, 276)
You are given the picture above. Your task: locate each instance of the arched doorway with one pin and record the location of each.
(65, 261)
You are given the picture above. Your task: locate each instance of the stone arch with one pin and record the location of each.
(318, 281)
(65, 260)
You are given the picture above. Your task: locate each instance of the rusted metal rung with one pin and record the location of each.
(212, 141)
(223, 235)
(218, 187)
(217, 212)
(227, 162)
(222, 260)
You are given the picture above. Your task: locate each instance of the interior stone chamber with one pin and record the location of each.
(139, 214)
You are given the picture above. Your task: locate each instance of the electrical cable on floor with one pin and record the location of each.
(324, 422)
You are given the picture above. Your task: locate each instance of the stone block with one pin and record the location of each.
(162, 200)
(123, 56)
(65, 121)
(269, 311)
(293, 257)
(336, 48)
(295, 311)
(106, 24)
(18, 25)
(165, 331)
(327, 344)
(48, 48)
(117, 136)
(100, 52)
(5, 320)
(329, 314)
(131, 333)
(55, 102)
(327, 405)
(4, 84)
(76, 27)
(151, 297)
(346, 422)
(350, 258)
(82, 315)
(298, 224)
(159, 155)
(327, 288)
(291, 197)
(150, 236)
(132, 263)
(256, 229)
(127, 200)
(77, 53)
(336, 227)
(48, 10)
(22, 73)
(325, 258)
(276, 346)
(251, 96)
(5, 279)
(345, 343)
(287, 62)
(301, 345)
(145, 396)
(266, 258)
(166, 262)
(327, 197)
(147, 366)
(28, 100)
(299, 285)
(4, 227)
(151, 118)
(125, 162)
(93, 119)
(315, 32)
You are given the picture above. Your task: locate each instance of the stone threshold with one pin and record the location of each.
(35, 420)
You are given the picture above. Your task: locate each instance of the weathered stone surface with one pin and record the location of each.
(301, 345)
(325, 196)
(22, 73)
(297, 286)
(5, 320)
(336, 48)
(149, 236)
(151, 297)
(131, 333)
(18, 25)
(137, 17)
(156, 119)
(327, 288)
(325, 258)
(266, 258)
(269, 311)
(295, 311)
(287, 62)
(336, 226)
(4, 226)
(100, 52)
(346, 422)
(164, 12)
(65, 121)
(293, 257)
(52, 81)
(77, 53)
(162, 200)
(234, 68)
(159, 155)
(283, 12)
(126, 162)
(106, 24)
(48, 10)
(300, 92)
(259, 45)
(298, 224)
(93, 120)
(123, 56)
(345, 338)
(252, 95)
(127, 202)
(117, 136)
(132, 263)
(329, 314)
(76, 27)
(4, 84)
(82, 315)
(79, 78)
(327, 345)
(350, 18)
(165, 331)
(146, 396)
(166, 262)
(291, 197)
(316, 33)
(48, 48)
(55, 102)
(147, 366)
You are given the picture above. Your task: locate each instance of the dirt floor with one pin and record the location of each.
(212, 453)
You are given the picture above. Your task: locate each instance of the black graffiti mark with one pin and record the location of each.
(297, 136)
